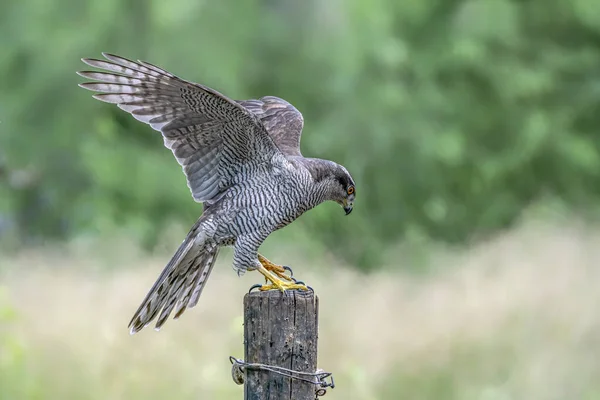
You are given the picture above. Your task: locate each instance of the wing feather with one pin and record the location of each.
(210, 135)
(282, 121)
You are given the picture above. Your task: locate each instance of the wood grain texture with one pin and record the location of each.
(280, 330)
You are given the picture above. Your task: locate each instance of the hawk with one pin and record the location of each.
(241, 159)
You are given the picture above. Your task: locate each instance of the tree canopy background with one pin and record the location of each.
(453, 116)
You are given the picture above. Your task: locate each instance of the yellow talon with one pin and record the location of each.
(276, 269)
(285, 286)
(278, 284)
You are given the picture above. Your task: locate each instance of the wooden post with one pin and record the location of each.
(280, 330)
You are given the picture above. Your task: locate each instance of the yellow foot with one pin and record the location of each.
(285, 286)
(279, 284)
(274, 268)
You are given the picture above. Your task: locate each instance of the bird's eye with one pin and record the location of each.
(350, 190)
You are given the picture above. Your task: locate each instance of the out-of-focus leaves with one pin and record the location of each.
(452, 115)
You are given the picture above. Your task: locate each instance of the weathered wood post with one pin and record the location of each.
(280, 330)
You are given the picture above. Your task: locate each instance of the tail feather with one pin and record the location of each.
(196, 283)
(184, 276)
(200, 285)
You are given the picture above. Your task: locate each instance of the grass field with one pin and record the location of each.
(517, 317)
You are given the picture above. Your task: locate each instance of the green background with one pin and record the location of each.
(468, 269)
(453, 116)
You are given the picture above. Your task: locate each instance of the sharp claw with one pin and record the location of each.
(286, 268)
(302, 283)
(257, 286)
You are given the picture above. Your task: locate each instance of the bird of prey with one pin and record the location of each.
(241, 159)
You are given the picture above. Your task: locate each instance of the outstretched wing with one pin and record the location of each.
(281, 119)
(212, 136)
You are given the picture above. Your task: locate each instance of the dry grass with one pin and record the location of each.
(516, 318)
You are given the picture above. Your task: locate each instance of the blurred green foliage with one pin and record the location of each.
(13, 365)
(452, 115)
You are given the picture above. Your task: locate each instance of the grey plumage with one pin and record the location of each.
(241, 159)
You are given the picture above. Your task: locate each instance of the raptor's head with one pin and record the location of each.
(333, 182)
(343, 190)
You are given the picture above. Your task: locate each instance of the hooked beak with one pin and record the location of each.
(347, 207)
